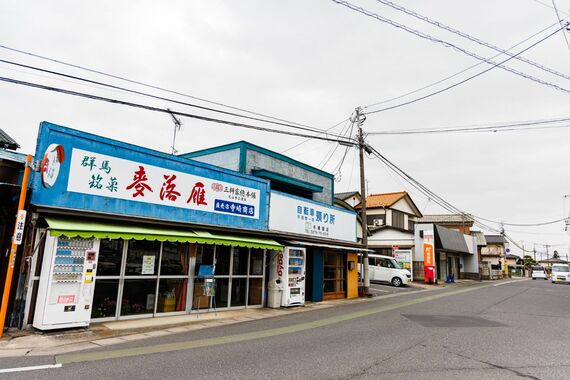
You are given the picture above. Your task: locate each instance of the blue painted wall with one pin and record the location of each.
(58, 196)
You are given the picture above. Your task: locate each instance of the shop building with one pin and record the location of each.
(454, 254)
(127, 232)
(302, 215)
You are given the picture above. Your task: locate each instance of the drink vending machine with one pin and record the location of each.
(67, 281)
(287, 276)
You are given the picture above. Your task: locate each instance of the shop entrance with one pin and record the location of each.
(239, 275)
(149, 277)
(334, 276)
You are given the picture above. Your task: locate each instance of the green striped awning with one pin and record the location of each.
(89, 229)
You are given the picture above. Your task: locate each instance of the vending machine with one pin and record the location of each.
(287, 276)
(67, 282)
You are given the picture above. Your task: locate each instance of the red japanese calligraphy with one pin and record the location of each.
(198, 195)
(168, 188)
(139, 183)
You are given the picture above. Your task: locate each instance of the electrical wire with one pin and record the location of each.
(171, 112)
(156, 97)
(326, 130)
(459, 72)
(448, 44)
(487, 128)
(472, 38)
(560, 21)
(144, 84)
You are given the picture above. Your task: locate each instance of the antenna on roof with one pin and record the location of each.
(177, 126)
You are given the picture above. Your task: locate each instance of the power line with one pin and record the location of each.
(560, 21)
(470, 37)
(326, 130)
(489, 128)
(145, 84)
(156, 97)
(164, 110)
(448, 44)
(459, 72)
(475, 76)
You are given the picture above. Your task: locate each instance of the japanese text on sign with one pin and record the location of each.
(102, 175)
(20, 224)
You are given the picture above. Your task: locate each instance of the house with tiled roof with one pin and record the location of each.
(458, 222)
(390, 218)
(353, 198)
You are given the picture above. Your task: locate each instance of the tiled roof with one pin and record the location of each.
(346, 195)
(6, 142)
(447, 219)
(480, 236)
(384, 200)
(494, 239)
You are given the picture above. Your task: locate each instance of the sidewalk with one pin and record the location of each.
(35, 343)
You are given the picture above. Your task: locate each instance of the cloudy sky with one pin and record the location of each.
(313, 62)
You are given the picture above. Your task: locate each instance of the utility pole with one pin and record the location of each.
(177, 126)
(359, 119)
(534, 251)
(547, 251)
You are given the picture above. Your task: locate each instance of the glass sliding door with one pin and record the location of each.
(239, 273)
(141, 278)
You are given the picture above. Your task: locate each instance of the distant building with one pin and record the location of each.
(391, 219)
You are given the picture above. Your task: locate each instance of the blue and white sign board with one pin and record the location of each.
(86, 172)
(301, 216)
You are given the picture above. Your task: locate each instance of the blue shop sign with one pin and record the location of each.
(81, 171)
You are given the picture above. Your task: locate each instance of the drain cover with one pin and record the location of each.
(426, 320)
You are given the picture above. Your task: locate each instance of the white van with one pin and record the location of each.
(560, 273)
(386, 269)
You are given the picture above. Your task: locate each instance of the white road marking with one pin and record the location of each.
(508, 282)
(32, 368)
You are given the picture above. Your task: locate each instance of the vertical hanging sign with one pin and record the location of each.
(429, 258)
(20, 223)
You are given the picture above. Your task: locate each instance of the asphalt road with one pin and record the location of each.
(482, 331)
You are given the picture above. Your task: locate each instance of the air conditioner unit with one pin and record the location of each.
(378, 222)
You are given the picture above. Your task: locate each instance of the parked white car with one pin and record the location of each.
(386, 269)
(560, 273)
(539, 272)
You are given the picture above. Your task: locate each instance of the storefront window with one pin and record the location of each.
(223, 259)
(142, 257)
(256, 261)
(172, 294)
(105, 299)
(138, 297)
(238, 291)
(110, 257)
(204, 256)
(222, 287)
(174, 259)
(240, 261)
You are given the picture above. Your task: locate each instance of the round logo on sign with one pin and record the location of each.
(51, 162)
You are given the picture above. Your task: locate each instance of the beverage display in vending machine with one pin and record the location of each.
(67, 282)
(288, 276)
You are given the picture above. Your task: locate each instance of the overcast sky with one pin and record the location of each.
(313, 62)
